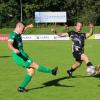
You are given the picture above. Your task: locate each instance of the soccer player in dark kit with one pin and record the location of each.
(78, 39)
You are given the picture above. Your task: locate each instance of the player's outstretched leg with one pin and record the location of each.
(30, 73)
(27, 79)
(72, 69)
(90, 66)
(44, 69)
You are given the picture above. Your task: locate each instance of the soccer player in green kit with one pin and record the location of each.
(22, 59)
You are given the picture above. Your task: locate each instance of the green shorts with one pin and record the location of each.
(22, 62)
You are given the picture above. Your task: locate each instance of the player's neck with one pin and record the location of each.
(78, 31)
(16, 32)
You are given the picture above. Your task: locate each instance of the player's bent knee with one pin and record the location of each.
(85, 58)
(34, 65)
(30, 71)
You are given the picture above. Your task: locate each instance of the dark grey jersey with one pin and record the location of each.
(78, 41)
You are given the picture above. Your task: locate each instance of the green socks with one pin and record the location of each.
(26, 80)
(28, 77)
(43, 69)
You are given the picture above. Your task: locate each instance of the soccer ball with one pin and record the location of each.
(90, 70)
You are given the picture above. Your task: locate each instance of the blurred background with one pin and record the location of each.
(12, 11)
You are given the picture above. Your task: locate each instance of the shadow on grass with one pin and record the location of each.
(5, 56)
(97, 76)
(54, 82)
(80, 76)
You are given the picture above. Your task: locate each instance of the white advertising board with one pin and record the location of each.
(43, 37)
(52, 37)
(50, 17)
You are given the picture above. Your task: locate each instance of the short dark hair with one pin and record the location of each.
(78, 22)
(21, 22)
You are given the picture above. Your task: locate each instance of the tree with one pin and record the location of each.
(84, 10)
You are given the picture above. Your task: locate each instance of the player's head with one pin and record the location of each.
(19, 27)
(78, 26)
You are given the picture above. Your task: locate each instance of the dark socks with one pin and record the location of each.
(89, 64)
(72, 70)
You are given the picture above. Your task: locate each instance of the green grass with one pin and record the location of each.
(45, 86)
(47, 30)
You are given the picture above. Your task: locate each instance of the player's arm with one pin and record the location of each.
(10, 45)
(59, 33)
(90, 33)
(16, 51)
(28, 26)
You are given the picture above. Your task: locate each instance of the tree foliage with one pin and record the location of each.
(84, 10)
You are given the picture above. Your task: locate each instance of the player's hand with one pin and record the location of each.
(91, 25)
(30, 26)
(16, 51)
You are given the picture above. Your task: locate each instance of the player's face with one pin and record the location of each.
(21, 29)
(78, 27)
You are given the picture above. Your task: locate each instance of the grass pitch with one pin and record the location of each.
(45, 86)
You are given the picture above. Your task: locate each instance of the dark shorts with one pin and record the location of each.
(77, 56)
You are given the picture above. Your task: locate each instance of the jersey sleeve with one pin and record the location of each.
(11, 37)
(84, 35)
(70, 33)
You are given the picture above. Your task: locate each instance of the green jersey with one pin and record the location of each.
(16, 40)
(21, 59)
